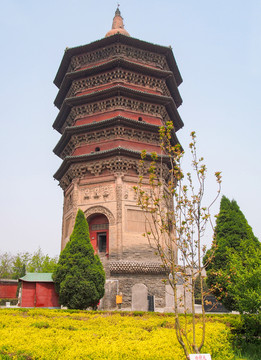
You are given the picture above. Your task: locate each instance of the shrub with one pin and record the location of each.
(79, 276)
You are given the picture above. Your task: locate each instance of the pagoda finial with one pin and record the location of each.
(117, 24)
(117, 12)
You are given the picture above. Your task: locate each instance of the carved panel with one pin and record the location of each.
(118, 102)
(117, 165)
(98, 192)
(68, 202)
(118, 50)
(119, 202)
(118, 75)
(129, 193)
(100, 210)
(109, 134)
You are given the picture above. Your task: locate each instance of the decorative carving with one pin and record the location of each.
(117, 165)
(117, 76)
(130, 193)
(109, 134)
(118, 50)
(119, 202)
(133, 267)
(68, 202)
(106, 191)
(100, 210)
(97, 192)
(126, 194)
(118, 102)
(87, 194)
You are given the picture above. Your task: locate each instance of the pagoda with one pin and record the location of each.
(113, 96)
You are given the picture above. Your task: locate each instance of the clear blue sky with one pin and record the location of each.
(217, 45)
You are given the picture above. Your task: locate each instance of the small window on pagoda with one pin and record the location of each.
(140, 118)
(97, 149)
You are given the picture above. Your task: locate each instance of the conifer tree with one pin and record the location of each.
(79, 277)
(233, 236)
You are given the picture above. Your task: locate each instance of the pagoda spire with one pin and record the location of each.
(117, 25)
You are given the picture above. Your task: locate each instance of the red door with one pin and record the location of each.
(99, 233)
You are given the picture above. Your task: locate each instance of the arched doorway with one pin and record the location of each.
(99, 233)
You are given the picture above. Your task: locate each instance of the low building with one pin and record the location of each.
(38, 290)
(8, 289)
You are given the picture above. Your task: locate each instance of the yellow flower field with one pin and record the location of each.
(61, 334)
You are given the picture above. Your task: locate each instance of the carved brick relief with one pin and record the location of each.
(109, 134)
(68, 202)
(118, 102)
(119, 202)
(117, 165)
(118, 75)
(118, 50)
(101, 193)
(100, 210)
(129, 193)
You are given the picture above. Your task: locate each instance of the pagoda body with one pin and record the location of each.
(114, 94)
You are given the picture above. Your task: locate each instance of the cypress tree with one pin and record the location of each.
(232, 235)
(79, 276)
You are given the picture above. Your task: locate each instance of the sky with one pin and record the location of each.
(217, 46)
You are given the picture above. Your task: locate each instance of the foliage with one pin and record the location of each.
(15, 266)
(19, 263)
(236, 266)
(41, 263)
(5, 266)
(58, 334)
(245, 278)
(79, 276)
(176, 221)
(248, 351)
(246, 330)
(5, 300)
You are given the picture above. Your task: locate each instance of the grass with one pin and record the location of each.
(248, 352)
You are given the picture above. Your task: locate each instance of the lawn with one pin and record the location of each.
(63, 334)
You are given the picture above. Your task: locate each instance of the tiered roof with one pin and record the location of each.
(115, 81)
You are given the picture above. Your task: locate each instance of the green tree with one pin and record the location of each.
(245, 278)
(5, 266)
(41, 263)
(79, 276)
(19, 263)
(15, 266)
(231, 274)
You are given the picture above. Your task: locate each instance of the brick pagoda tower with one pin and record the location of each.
(114, 94)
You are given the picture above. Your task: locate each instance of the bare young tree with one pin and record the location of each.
(176, 220)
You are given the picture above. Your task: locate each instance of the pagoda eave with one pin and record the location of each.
(117, 38)
(119, 120)
(112, 64)
(119, 90)
(119, 151)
